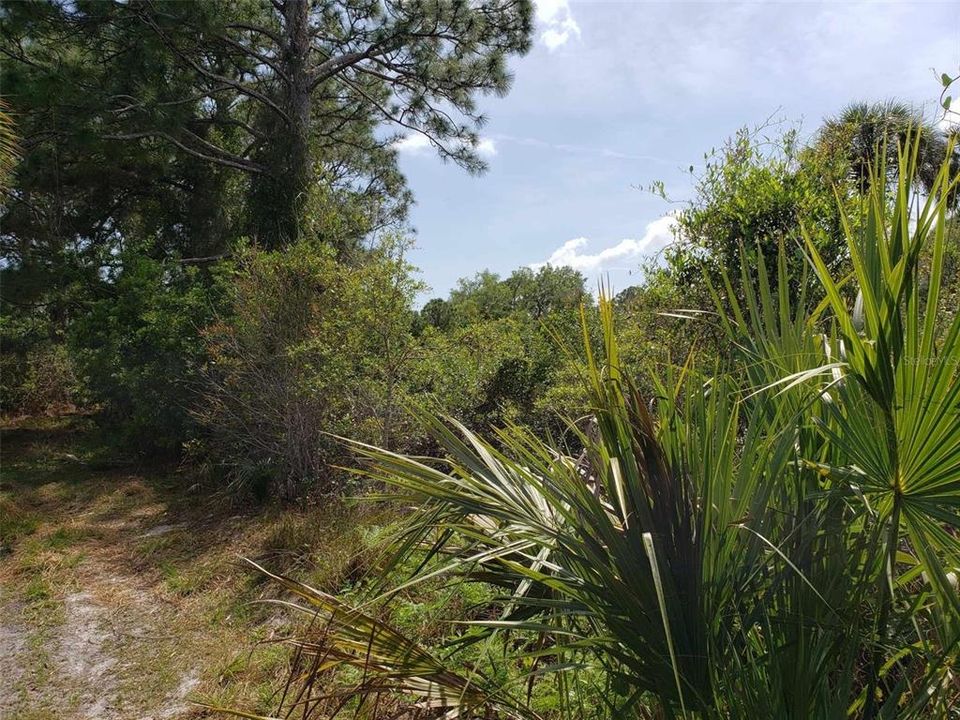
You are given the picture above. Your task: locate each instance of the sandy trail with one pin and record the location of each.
(102, 646)
(121, 597)
(82, 666)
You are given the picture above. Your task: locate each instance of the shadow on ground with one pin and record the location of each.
(122, 594)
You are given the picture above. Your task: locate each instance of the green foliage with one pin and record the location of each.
(9, 148)
(865, 136)
(202, 243)
(553, 292)
(15, 522)
(763, 185)
(163, 137)
(488, 353)
(278, 104)
(655, 328)
(46, 383)
(750, 202)
(779, 540)
(139, 351)
(885, 381)
(459, 370)
(308, 347)
(36, 371)
(751, 199)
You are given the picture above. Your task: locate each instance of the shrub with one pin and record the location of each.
(36, 370)
(50, 382)
(308, 348)
(488, 354)
(777, 541)
(138, 350)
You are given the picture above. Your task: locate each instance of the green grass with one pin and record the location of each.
(15, 523)
(37, 591)
(64, 537)
(184, 582)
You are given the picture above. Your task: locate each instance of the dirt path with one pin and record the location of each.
(13, 642)
(116, 601)
(82, 637)
(81, 671)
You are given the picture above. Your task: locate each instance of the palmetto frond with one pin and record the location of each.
(776, 541)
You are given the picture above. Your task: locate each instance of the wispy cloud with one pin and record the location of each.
(557, 22)
(585, 149)
(486, 147)
(412, 144)
(416, 143)
(657, 235)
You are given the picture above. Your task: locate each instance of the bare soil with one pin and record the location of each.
(121, 593)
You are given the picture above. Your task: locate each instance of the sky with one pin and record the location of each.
(617, 95)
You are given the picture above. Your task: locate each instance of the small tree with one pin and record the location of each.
(311, 347)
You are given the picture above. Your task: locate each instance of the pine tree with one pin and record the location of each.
(289, 94)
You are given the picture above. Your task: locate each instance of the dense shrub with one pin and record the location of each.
(489, 353)
(308, 347)
(777, 538)
(762, 190)
(49, 383)
(36, 370)
(139, 351)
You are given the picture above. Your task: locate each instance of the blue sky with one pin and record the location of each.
(616, 95)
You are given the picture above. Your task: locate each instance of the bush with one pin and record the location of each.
(50, 382)
(36, 373)
(779, 540)
(309, 347)
(488, 353)
(36, 370)
(760, 191)
(139, 350)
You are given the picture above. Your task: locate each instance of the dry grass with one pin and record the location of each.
(124, 595)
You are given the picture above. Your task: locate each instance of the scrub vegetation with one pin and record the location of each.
(245, 471)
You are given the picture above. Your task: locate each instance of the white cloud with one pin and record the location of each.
(412, 144)
(658, 234)
(416, 143)
(486, 147)
(557, 22)
(949, 121)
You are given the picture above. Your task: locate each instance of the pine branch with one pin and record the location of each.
(227, 159)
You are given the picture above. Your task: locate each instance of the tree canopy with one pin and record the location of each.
(202, 121)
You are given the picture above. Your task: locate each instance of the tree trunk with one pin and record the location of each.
(281, 210)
